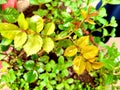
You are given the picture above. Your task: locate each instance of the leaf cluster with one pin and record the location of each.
(59, 35)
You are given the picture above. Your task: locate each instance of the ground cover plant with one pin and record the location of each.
(52, 46)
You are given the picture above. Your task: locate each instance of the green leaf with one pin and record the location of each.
(79, 32)
(12, 76)
(31, 76)
(108, 79)
(109, 64)
(8, 30)
(6, 41)
(38, 22)
(10, 15)
(29, 65)
(22, 22)
(105, 32)
(102, 12)
(9, 77)
(59, 51)
(43, 76)
(34, 2)
(113, 32)
(113, 2)
(44, 59)
(44, 12)
(49, 87)
(102, 20)
(48, 67)
(61, 60)
(70, 80)
(61, 35)
(48, 44)
(49, 28)
(37, 2)
(39, 67)
(113, 22)
(3, 1)
(65, 73)
(44, 1)
(60, 86)
(33, 45)
(20, 39)
(66, 14)
(53, 82)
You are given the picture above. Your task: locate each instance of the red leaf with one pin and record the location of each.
(0, 64)
(10, 3)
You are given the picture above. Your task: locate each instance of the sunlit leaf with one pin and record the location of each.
(22, 22)
(48, 44)
(70, 51)
(88, 66)
(79, 64)
(82, 41)
(89, 51)
(84, 14)
(20, 39)
(38, 21)
(33, 45)
(90, 21)
(8, 30)
(97, 65)
(49, 28)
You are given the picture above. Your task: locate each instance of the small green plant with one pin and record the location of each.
(55, 48)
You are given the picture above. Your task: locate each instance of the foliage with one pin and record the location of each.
(55, 47)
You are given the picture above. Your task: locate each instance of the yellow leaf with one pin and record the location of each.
(70, 51)
(8, 30)
(78, 65)
(92, 60)
(90, 21)
(20, 39)
(82, 41)
(84, 14)
(48, 44)
(97, 65)
(22, 22)
(88, 66)
(49, 28)
(33, 44)
(89, 51)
